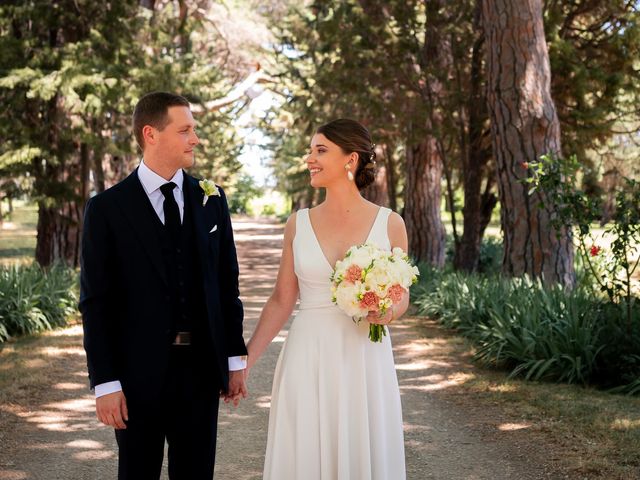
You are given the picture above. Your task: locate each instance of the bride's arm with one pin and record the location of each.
(279, 307)
(397, 238)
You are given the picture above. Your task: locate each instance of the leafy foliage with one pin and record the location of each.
(68, 84)
(613, 272)
(244, 190)
(33, 299)
(535, 332)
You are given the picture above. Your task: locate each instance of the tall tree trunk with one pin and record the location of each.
(488, 199)
(59, 220)
(422, 197)
(378, 192)
(84, 171)
(98, 171)
(303, 199)
(478, 207)
(149, 4)
(96, 166)
(524, 126)
(424, 159)
(58, 234)
(392, 181)
(58, 230)
(609, 185)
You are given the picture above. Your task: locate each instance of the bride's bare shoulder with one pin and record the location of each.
(290, 227)
(397, 231)
(395, 221)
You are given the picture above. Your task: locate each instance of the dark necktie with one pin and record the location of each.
(171, 211)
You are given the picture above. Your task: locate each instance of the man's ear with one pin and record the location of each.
(149, 134)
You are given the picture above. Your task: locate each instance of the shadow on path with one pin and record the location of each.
(48, 428)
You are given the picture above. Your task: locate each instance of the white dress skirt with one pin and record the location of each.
(335, 404)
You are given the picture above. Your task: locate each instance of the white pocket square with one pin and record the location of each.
(215, 227)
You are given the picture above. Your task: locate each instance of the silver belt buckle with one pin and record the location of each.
(182, 338)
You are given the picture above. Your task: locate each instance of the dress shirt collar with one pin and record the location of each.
(151, 181)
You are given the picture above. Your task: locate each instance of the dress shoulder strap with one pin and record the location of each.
(384, 214)
(302, 222)
(380, 228)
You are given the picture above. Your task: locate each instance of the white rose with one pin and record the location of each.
(377, 280)
(347, 298)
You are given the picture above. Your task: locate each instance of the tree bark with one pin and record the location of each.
(524, 126)
(98, 171)
(378, 192)
(148, 4)
(84, 171)
(303, 199)
(392, 181)
(424, 159)
(59, 212)
(96, 163)
(478, 206)
(422, 197)
(58, 234)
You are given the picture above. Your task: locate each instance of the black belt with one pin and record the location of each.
(182, 338)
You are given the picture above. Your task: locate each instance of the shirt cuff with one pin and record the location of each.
(237, 363)
(107, 388)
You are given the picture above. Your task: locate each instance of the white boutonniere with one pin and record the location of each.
(210, 190)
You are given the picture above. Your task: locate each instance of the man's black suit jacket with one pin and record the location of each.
(124, 291)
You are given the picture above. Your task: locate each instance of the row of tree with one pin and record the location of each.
(459, 95)
(71, 72)
(468, 91)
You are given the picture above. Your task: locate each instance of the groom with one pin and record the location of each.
(160, 302)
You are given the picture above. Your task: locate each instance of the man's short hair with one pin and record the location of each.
(152, 109)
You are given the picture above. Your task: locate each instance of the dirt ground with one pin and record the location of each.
(48, 429)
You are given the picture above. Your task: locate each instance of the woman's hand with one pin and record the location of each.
(386, 319)
(392, 312)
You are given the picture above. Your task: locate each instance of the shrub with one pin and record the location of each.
(536, 332)
(33, 299)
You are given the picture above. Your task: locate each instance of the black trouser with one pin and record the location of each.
(187, 416)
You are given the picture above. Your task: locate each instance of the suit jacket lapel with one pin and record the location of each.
(138, 210)
(202, 217)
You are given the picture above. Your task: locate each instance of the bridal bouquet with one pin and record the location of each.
(371, 279)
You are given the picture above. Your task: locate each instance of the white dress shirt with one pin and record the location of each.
(151, 182)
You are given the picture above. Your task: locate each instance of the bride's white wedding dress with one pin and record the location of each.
(335, 405)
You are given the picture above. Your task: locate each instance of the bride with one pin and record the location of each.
(335, 405)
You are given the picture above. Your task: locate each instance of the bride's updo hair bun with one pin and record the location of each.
(352, 136)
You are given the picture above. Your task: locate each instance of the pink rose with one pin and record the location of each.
(353, 274)
(395, 293)
(370, 301)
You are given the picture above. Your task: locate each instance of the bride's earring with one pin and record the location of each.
(349, 174)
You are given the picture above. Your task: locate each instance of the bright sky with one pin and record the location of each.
(253, 156)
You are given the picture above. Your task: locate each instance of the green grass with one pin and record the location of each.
(18, 235)
(598, 433)
(589, 434)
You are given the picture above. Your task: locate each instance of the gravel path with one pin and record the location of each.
(50, 432)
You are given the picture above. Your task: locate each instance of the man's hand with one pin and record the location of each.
(112, 410)
(237, 388)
